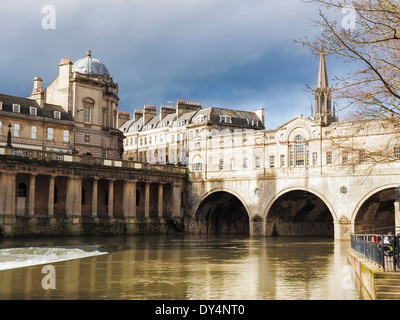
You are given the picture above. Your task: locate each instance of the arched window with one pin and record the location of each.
(299, 154)
(21, 191)
(88, 104)
(197, 163)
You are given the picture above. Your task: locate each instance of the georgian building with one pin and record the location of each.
(32, 126)
(165, 138)
(76, 113)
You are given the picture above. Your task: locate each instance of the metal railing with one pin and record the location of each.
(381, 249)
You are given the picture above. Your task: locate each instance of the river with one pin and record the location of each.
(177, 267)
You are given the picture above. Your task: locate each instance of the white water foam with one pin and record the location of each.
(23, 257)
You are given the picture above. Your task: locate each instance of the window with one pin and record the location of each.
(86, 115)
(16, 107)
(329, 157)
(221, 164)
(397, 152)
(345, 157)
(291, 156)
(1, 128)
(197, 163)
(33, 111)
(244, 163)
(258, 162)
(34, 132)
(50, 134)
(57, 115)
(283, 161)
(17, 130)
(66, 136)
(200, 118)
(361, 155)
(271, 161)
(225, 118)
(315, 158)
(307, 154)
(299, 151)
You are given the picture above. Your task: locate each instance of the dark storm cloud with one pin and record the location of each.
(236, 53)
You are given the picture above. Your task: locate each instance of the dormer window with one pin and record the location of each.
(225, 119)
(33, 111)
(252, 122)
(57, 115)
(200, 118)
(16, 108)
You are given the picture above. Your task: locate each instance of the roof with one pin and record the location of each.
(25, 103)
(90, 65)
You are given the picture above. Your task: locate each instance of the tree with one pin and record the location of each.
(368, 38)
(371, 43)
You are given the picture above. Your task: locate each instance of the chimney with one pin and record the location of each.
(122, 118)
(137, 114)
(148, 113)
(183, 106)
(37, 92)
(164, 110)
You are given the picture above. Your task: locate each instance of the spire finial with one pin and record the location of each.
(322, 73)
(89, 53)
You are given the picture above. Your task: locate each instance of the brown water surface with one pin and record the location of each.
(186, 267)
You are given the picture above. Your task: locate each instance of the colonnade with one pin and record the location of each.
(40, 194)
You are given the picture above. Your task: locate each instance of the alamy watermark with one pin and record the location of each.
(49, 280)
(349, 20)
(49, 20)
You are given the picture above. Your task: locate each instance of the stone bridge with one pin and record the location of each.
(332, 201)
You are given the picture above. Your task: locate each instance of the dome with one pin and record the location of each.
(90, 65)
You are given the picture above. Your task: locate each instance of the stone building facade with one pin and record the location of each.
(165, 138)
(77, 112)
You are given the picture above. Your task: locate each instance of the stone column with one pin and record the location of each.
(129, 199)
(7, 194)
(95, 196)
(160, 200)
(10, 199)
(51, 196)
(111, 199)
(176, 197)
(32, 182)
(397, 216)
(147, 200)
(2, 194)
(74, 197)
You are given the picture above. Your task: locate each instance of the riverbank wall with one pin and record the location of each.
(376, 283)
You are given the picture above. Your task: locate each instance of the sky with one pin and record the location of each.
(237, 54)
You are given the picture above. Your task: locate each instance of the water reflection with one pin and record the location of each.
(189, 267)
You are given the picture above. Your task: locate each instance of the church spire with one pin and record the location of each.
(322, 82)
(323, 99)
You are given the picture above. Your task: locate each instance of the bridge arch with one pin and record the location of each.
(221, 211)
(297, 211)
(375, 212)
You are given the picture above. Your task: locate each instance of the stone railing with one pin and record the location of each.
(32, 154)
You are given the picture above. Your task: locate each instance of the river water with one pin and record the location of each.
(177, 268)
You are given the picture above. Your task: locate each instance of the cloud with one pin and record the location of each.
(219, 51)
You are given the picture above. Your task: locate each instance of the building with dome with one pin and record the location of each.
(86, 90)
(76, 113)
